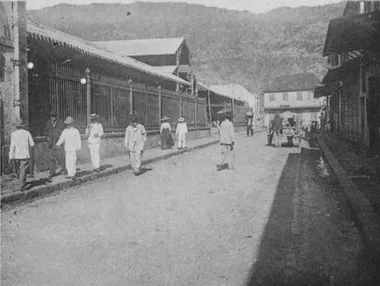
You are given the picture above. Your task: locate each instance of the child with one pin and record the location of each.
(71, 137)
(181, 132)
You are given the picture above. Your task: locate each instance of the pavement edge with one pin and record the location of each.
(363, 211)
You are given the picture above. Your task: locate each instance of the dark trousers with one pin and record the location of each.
(56, 154)
(249, 130)
(22, 166)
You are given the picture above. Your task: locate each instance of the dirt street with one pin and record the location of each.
(275, 220)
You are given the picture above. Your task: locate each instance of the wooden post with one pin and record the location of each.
(209, 104)
(16, 61)
(195, 112)
(233, 111)
(111, 106)
(88, 91)
(131, 96)
(159, 104)
(180, 104)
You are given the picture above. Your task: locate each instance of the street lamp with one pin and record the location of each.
(30, 65)
(83, 81)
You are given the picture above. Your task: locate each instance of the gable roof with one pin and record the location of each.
(165, 69)
(55, 36)
(144, 47)
(293, 82)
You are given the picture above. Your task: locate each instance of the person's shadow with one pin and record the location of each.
(144, 170)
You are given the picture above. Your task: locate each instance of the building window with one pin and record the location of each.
(272, 97)
(376, 6)
(299, 95)
(285, 96)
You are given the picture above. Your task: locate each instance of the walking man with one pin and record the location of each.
(135, 139)
(277, 129)
(181, 132)
(71, 138)
(227, 141)
(249, 121)
(21, 140)
(94, 131)
(53, 130)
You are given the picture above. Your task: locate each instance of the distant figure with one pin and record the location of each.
(71, 138)
(277, 129)
(270, 132)
(166, 134)
(53, 130)
(181, 132)
(94, 131)
(227, 142)
(135, 140)
(249, 123)
(21, 140)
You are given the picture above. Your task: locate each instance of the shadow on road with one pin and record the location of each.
(315, 251)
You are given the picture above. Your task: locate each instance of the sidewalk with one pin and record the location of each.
(358, 173)
(39, 186)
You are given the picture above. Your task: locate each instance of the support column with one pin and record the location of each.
(209, 105)
(195, 112)
(111, 106)
(233, 111)
(130, 97)
(88, 91)
(180, 105)
(16, 61)
(159, 104)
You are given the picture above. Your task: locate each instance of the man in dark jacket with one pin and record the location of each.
(53, 130)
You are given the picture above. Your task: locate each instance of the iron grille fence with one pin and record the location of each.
(61, 90)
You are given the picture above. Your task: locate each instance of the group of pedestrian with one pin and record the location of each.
(167, 141)
(60, 133)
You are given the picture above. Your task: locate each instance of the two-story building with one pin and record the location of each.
(292, 96)
(170, 55)
(352, 82)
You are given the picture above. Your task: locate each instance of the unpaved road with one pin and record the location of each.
(180, 223)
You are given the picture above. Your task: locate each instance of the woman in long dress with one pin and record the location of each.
(165, 134)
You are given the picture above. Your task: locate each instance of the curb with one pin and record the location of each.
(364, 214)
(46, 189)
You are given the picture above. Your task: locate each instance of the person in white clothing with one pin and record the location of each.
(135, 140)
(94, 131)
(71, 137)
(21, 140)
(181, 132)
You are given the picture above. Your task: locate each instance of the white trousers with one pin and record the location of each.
(71, 163)
(181, 140)
(95, 154)
(136, 160)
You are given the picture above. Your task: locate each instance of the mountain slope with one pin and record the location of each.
(227, 46)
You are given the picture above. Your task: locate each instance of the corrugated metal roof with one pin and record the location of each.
(52, 35)
(235, 91)
(144, 47)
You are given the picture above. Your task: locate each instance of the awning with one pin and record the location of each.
(338, 74)
(354, 33)
(326, 89)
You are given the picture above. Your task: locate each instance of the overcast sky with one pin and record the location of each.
(255, 6)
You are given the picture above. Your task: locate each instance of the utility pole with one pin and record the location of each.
(16, 60)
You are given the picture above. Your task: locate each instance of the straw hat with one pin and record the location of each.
(165, 118)
(249, 113)
(20, 123)
(94, 116)
(69, 120)
(181, 119)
